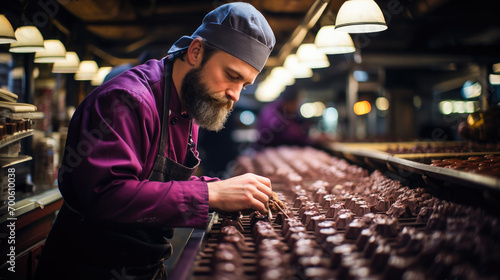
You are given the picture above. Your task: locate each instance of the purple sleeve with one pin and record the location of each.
(114, 141)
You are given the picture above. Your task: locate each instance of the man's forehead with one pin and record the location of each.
(232, 63)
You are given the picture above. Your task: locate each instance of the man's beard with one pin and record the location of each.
(208, 111)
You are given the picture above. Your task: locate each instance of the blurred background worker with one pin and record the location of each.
(280, 124)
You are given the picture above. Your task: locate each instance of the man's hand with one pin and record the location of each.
(247, 191)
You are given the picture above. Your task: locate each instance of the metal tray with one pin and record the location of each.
(374, 155)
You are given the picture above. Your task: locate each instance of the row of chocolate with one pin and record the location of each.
(486, 165)
(373, 227)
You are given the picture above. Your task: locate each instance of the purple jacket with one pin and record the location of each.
(112, 143)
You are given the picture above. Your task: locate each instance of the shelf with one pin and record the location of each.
(9, 161)
(15, 137)
(31, 203)
(25, 115)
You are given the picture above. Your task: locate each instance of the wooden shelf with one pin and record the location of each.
(9, 161)
(16, 137)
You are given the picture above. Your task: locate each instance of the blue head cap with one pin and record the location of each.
(238, 29)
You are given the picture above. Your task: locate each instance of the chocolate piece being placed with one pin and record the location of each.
(276, 205)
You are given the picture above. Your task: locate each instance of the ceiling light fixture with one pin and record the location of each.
(298, 70)
(99, 77)
(332, 41)
(312, 57)
(86, 70)
(29, 40)
(360, 16)
(69, 65)
(54, 51)
(6, 31)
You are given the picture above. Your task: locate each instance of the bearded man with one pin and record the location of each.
(127, 174)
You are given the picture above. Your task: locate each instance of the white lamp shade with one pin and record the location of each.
(69, 65)
(54, 51)
(332, 41)
(283, 74)
(99, 77)
(298, 70)
(6, 31)
(29, 40)
(86, 70)
(360, 16)
(312, 57)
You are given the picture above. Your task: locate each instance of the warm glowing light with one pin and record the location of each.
(86, 70)
(98, 78)
(283, 74)
(445, 107)
(6, 31)
(69, 65)
(310, 56)
(333, 41)
(307, 110)
(29, 40)
(53, 51)
(360, 16)
(494, 79)
(382, 103)
(319, 108)
(299, 71)
(362, 108)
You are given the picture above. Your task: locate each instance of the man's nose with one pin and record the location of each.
(234, 93)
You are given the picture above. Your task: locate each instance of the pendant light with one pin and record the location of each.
(99, 77)
(54, 51)
(312, 57)
(360, 16)
(69, 65)
(6, 31)
(298, 70)
(332, 41)
(86, 70)
(29, 40)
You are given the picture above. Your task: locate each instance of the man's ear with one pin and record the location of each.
(195, 52)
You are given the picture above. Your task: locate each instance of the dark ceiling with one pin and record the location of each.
(421, 33)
